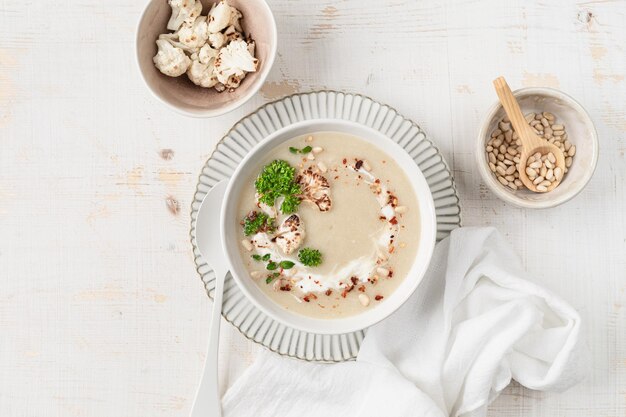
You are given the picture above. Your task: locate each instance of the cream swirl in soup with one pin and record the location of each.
(329, 225)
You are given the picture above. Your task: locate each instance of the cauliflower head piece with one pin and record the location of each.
(170, 60)
(195, 35)
(233, 62)
(219, 16)
(183, 11)
(217, 40)
(202, 69)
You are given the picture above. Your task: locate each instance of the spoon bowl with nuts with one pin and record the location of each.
(541, 164)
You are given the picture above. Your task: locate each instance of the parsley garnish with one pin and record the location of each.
(278, 179)
(310, 257)
(255, 222)
(271, 277)
(304, 150)
(286, 264)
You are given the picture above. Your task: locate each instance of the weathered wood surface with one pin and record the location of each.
(101, 311)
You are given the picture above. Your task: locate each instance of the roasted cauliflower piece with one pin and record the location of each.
(170, 60)
(315, 188)
(220, 16)
(183, 11)
(195, 35)
(290, 234)
(234, 60)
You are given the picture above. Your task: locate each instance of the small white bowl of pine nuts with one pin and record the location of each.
(556, 117)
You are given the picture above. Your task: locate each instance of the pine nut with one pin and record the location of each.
(538, 180)
(572, 151)
(401, 209)
(382, 271)
(503, 181)
(551, 157)
(546, 183)
(364, 300)
(309, 139)
(323, 168)
(542, 188)
(510, 170)
(512, 185)
(558, 127)
(568, 162)
(255, 274)
(367, 166)
(500, 170)
(558, 173)
(550, 174)
(246, 244)
(317, 149)
(531, 172)
(492, 167)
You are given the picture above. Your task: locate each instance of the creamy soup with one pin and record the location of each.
(329, 226)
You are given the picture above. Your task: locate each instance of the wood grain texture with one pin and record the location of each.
(101, 311)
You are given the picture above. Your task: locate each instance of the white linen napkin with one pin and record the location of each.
(472, 325)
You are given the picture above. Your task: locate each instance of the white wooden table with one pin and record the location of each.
(101, 311)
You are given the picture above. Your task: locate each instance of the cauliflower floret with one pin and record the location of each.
(232, 34)
(202, 69)
(235, 15)
(251, 46)
(234, 59)
(219, 16)
(170, 60)
(183, 11)
(217, 40)
(207, 54)
(315, 188)
(195, 35)
(290, 234)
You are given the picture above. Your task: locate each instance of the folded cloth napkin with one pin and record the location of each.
(472, 325)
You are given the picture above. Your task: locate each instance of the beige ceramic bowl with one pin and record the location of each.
(180, 93)
(580, 131)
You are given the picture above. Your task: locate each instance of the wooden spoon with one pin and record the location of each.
(531, 142)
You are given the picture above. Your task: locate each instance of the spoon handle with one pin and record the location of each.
(512, 109)
(208, 403)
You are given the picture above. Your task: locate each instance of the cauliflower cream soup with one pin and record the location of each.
(329, 225)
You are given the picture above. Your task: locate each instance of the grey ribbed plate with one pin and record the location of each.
(254, 324)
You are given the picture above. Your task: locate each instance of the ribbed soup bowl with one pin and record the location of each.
(231, 239)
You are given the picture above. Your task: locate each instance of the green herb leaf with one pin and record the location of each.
(255, 222)
(290, 204)
(293, 150)
(266, 257)
(310, 257)
(271, 266)
(278, 179)
(306, 149)
(286, 264)
(271, 277)
(256, 257)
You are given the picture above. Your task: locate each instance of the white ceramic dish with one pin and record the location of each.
(179, 93)
(231, 224)
(580, 131)
(238, 310)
